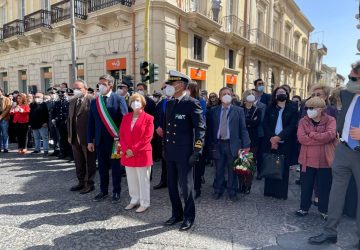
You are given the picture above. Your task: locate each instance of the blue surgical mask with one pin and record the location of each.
(261, 88)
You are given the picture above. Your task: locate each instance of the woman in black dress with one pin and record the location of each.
(280, 123)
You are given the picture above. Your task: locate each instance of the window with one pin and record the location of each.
(23, 81)
(2, 16)
(260, 21)
(21, 9)
(4, 82)
(259, 69)
(287, 35)
(296, 44)
(303, 50)
(45, 4)
(198, 48)
(231, 59)
(46, 78)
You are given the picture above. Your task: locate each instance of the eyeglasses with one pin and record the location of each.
(353, 78)
(316, 94)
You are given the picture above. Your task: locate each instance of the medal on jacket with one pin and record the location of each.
(110, 127)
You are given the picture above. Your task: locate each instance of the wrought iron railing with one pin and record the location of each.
(38, 19)
(263, 39)
(209, 8)
(13, 28)
(234, 24)
(62, 10)
(94, 5)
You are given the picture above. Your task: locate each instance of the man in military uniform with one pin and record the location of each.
(184, 132)
(54, 133)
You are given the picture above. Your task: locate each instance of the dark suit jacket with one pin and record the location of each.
(97, 132)
(183, 124)
(239, 136)
(289, 121)
(82, 116)
(159, 113)
(266, 99)
(262, 107)
(346, 99)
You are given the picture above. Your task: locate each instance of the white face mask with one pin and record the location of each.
(136, 105)
(77, 92)
(250, 98)
(169, 90)
(141, 92)
(312, 113)
(187, 92)
(353, 86)
(38, 100)
(120, 91)
(103, 89)
(226, 99)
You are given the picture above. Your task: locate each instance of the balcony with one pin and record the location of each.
(103, 12)
(62, 10)
(264, 40)
(95, 5)
(14, 28)
(38, 19)
(203, 15)
(61, 14)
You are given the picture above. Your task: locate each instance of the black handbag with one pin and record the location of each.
(273, 166)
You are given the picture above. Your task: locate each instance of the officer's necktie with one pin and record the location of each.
(355, 123)
(78, 103)
(223, 124)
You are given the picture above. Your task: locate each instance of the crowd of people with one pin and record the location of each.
(184, 128)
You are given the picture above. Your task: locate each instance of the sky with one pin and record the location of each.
(335, 26)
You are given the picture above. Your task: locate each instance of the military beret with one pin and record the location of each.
(90, 90)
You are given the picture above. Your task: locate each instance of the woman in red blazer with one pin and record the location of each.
(20, 112)
(136, 132)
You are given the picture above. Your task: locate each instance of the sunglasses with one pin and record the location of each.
(353, 78)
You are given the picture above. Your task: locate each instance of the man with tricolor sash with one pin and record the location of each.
(106, 113)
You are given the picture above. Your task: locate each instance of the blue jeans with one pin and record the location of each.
(4, 138)
(43, 134)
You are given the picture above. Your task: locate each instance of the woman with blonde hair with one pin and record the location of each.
(136, 132)
(316, 134)
(20, 112)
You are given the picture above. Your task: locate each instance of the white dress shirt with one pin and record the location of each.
(347, 122)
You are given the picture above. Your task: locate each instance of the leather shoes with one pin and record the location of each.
(78, 187)
(160, 185)
(172, 221)
(86, 190)
(100, 197)
(186, 225)
(115, 198)
(234, 198)
(322, 238)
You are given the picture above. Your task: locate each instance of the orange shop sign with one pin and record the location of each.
(198, 74)
(116, 64)
(231, 79)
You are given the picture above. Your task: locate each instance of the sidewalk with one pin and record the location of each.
(37, 211)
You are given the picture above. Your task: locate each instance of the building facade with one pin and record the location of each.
(217, 43)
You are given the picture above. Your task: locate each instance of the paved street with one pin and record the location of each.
(37, 211)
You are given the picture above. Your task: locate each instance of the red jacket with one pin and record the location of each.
(313, 140)
(138, 140)
(21, 116)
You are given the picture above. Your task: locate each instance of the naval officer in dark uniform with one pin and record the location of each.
(184, 132)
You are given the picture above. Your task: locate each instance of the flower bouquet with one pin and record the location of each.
(245, 164)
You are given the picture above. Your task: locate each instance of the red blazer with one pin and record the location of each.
(138, 140)
(21, 117)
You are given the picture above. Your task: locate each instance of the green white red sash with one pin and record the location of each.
(110, 126)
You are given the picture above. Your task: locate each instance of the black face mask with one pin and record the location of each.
(281, 97)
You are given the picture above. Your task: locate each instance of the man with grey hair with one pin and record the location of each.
(105, 115)
(77, 123)
(347, 158)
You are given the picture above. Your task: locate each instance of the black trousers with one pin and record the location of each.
(323, 178)
(64, 144)
(181, 172)
(21, 130)
(199, 171)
